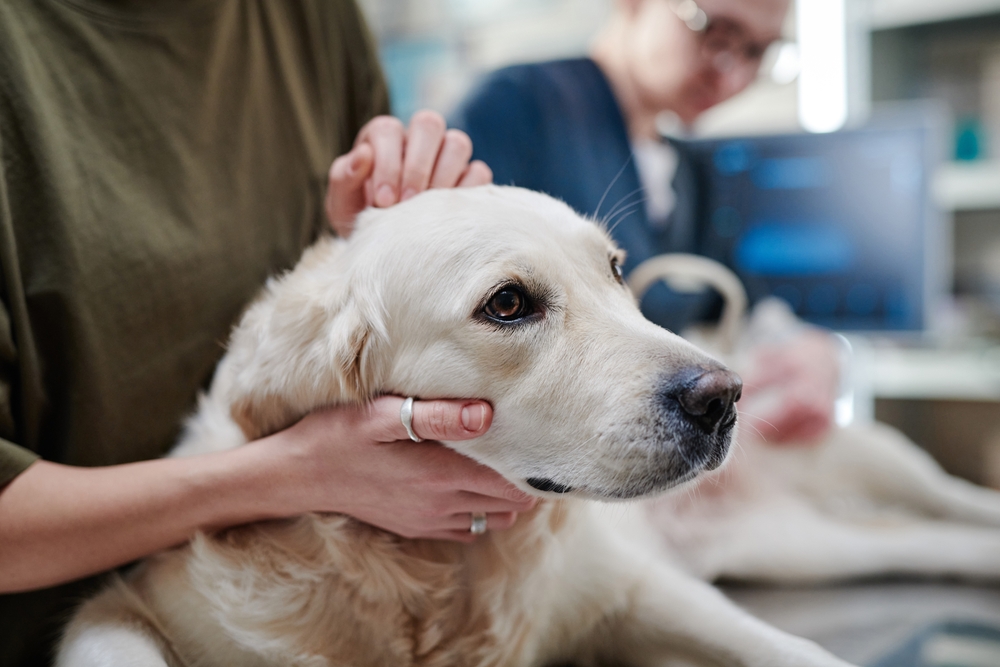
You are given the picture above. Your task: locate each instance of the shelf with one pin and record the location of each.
(898, 13)
(971, 375)
(961, 186)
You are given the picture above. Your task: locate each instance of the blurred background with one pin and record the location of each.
(890, 109)
(923, 75)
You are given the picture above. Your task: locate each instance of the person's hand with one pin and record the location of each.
(359, 461)
(790, 389)
(390, 163)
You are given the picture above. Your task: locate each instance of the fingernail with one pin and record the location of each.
(407, 193)
(473, 417)
(352, 166)
(385, 196)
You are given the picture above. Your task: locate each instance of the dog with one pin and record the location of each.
(492, 292)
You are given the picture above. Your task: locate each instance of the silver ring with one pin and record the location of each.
(406, 416)
(478, 526)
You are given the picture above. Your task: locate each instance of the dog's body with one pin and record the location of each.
(864, 502)
(590, 400)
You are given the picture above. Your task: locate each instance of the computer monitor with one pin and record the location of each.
(840, 225)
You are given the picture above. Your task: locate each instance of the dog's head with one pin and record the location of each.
(495, 293)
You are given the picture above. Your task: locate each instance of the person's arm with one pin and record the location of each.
(60, 523)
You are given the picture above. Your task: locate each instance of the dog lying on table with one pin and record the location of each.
(492, 292)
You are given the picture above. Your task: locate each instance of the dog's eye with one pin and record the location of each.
(616, 269)
(508, 305)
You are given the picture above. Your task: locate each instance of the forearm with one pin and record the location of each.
(59, 523)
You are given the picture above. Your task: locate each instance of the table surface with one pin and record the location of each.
(863, 622)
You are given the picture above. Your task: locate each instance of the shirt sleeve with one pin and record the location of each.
(13, 458)
(13, 461)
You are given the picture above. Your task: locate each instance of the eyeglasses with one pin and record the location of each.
(724, 42)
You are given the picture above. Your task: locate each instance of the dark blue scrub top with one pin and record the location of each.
(556, 127)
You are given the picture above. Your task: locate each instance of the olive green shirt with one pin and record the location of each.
(158, 160)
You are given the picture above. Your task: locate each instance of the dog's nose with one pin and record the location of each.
(709, 400)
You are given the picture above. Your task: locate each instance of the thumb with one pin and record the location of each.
(345, 194)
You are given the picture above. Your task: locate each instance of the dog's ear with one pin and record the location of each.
(293, 353)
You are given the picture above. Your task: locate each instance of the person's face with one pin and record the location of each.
(675, 68)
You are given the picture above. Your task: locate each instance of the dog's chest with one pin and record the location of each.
(330, 591)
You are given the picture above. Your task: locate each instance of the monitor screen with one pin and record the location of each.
(835, 224)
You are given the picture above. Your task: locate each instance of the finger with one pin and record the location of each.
(352, 168)
(432, 420)
(452, 160)
(476, 174)
(451, 420)
(387, 137)
(506, 500)
(496, 493)
(423, 144)
(453, 536)
(345, 196)
(494, 521)
(501, 520)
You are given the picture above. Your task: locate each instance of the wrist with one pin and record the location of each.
(254, 482)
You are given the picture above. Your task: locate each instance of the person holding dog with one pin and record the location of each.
(585, 131)
(158, 161)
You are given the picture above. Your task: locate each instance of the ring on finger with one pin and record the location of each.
(406, 416)
(478, 526)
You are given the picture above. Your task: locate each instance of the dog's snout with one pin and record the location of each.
(709, 400)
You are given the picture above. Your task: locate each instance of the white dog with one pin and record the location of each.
(500, 294)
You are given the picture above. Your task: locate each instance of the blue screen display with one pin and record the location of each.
(834, 224)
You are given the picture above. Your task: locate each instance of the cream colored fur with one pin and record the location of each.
(578, 398)
(863, 502)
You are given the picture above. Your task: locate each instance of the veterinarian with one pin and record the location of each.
(158, 161)
(585, 131)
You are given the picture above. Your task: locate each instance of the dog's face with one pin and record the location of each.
(505, 295)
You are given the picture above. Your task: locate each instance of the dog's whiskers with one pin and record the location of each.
(757, 431)
(624, 201)
(607, 191)
(757, 418)
(625, 212)
(622, 209)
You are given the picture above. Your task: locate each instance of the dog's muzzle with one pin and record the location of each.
(701, 408)
(693, 418)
